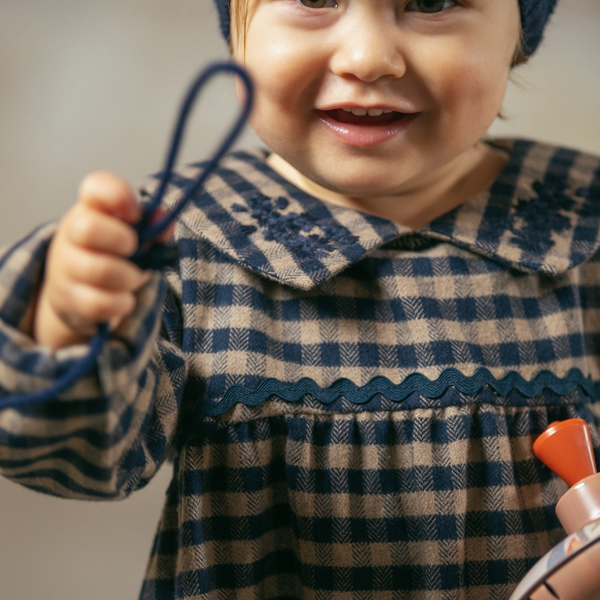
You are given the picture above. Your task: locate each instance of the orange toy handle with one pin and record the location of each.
(566, 448)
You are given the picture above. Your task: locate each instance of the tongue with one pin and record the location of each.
(344, 116)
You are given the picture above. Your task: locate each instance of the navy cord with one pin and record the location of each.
(149, 255)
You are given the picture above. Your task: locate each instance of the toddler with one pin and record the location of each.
(368, 325)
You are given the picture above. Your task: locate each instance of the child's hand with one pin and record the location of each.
(89, 279)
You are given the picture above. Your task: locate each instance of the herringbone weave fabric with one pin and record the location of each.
(350, 405)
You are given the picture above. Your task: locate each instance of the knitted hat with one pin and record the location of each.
(223, 8)
(534, 15)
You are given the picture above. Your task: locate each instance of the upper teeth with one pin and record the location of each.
(361, 112)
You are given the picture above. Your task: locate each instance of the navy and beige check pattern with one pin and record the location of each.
(350, 405)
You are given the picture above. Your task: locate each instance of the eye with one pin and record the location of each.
(429, 6)
(319, 3)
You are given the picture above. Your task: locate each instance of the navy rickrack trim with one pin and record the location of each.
(416, 382)
(149, 255)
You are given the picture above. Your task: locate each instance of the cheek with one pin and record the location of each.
(273, 64)
(285, 64)
(286, 83)
(471, 88)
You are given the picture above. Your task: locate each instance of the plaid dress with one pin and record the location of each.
(350, 404)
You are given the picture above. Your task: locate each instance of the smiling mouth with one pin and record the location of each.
(369, 118)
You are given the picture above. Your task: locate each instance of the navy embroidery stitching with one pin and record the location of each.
(293, 230)
(537, 218)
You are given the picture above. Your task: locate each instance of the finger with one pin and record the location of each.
(105, 271)
(113, 324)
(110, 194)
(100, 232)
(159, 214)
(166, 235)
(82, 306)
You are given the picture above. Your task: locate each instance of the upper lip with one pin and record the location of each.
(382, 106)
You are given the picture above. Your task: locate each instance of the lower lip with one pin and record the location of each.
(365, 136)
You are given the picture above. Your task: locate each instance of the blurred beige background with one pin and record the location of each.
(89, 85)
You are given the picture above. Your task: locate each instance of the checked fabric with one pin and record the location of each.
(349, 404)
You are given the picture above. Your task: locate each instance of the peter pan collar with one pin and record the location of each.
(540, 216)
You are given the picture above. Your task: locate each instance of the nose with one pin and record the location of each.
(368, 49)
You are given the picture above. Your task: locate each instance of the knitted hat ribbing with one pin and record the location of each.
(223, 8)
(534, 16)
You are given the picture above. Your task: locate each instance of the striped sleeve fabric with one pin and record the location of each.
(107, 435)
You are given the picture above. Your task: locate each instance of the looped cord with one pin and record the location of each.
(148, 256)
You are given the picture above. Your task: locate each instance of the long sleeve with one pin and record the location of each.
(109, 434)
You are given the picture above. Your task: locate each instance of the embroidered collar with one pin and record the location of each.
(540, 215)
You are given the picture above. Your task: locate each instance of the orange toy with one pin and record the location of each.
(566, 448)
(571, 570)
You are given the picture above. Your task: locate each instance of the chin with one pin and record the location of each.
(366, 175)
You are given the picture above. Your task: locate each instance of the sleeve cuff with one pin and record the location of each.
(26, 366)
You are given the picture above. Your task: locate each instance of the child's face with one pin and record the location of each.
(447, 70)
